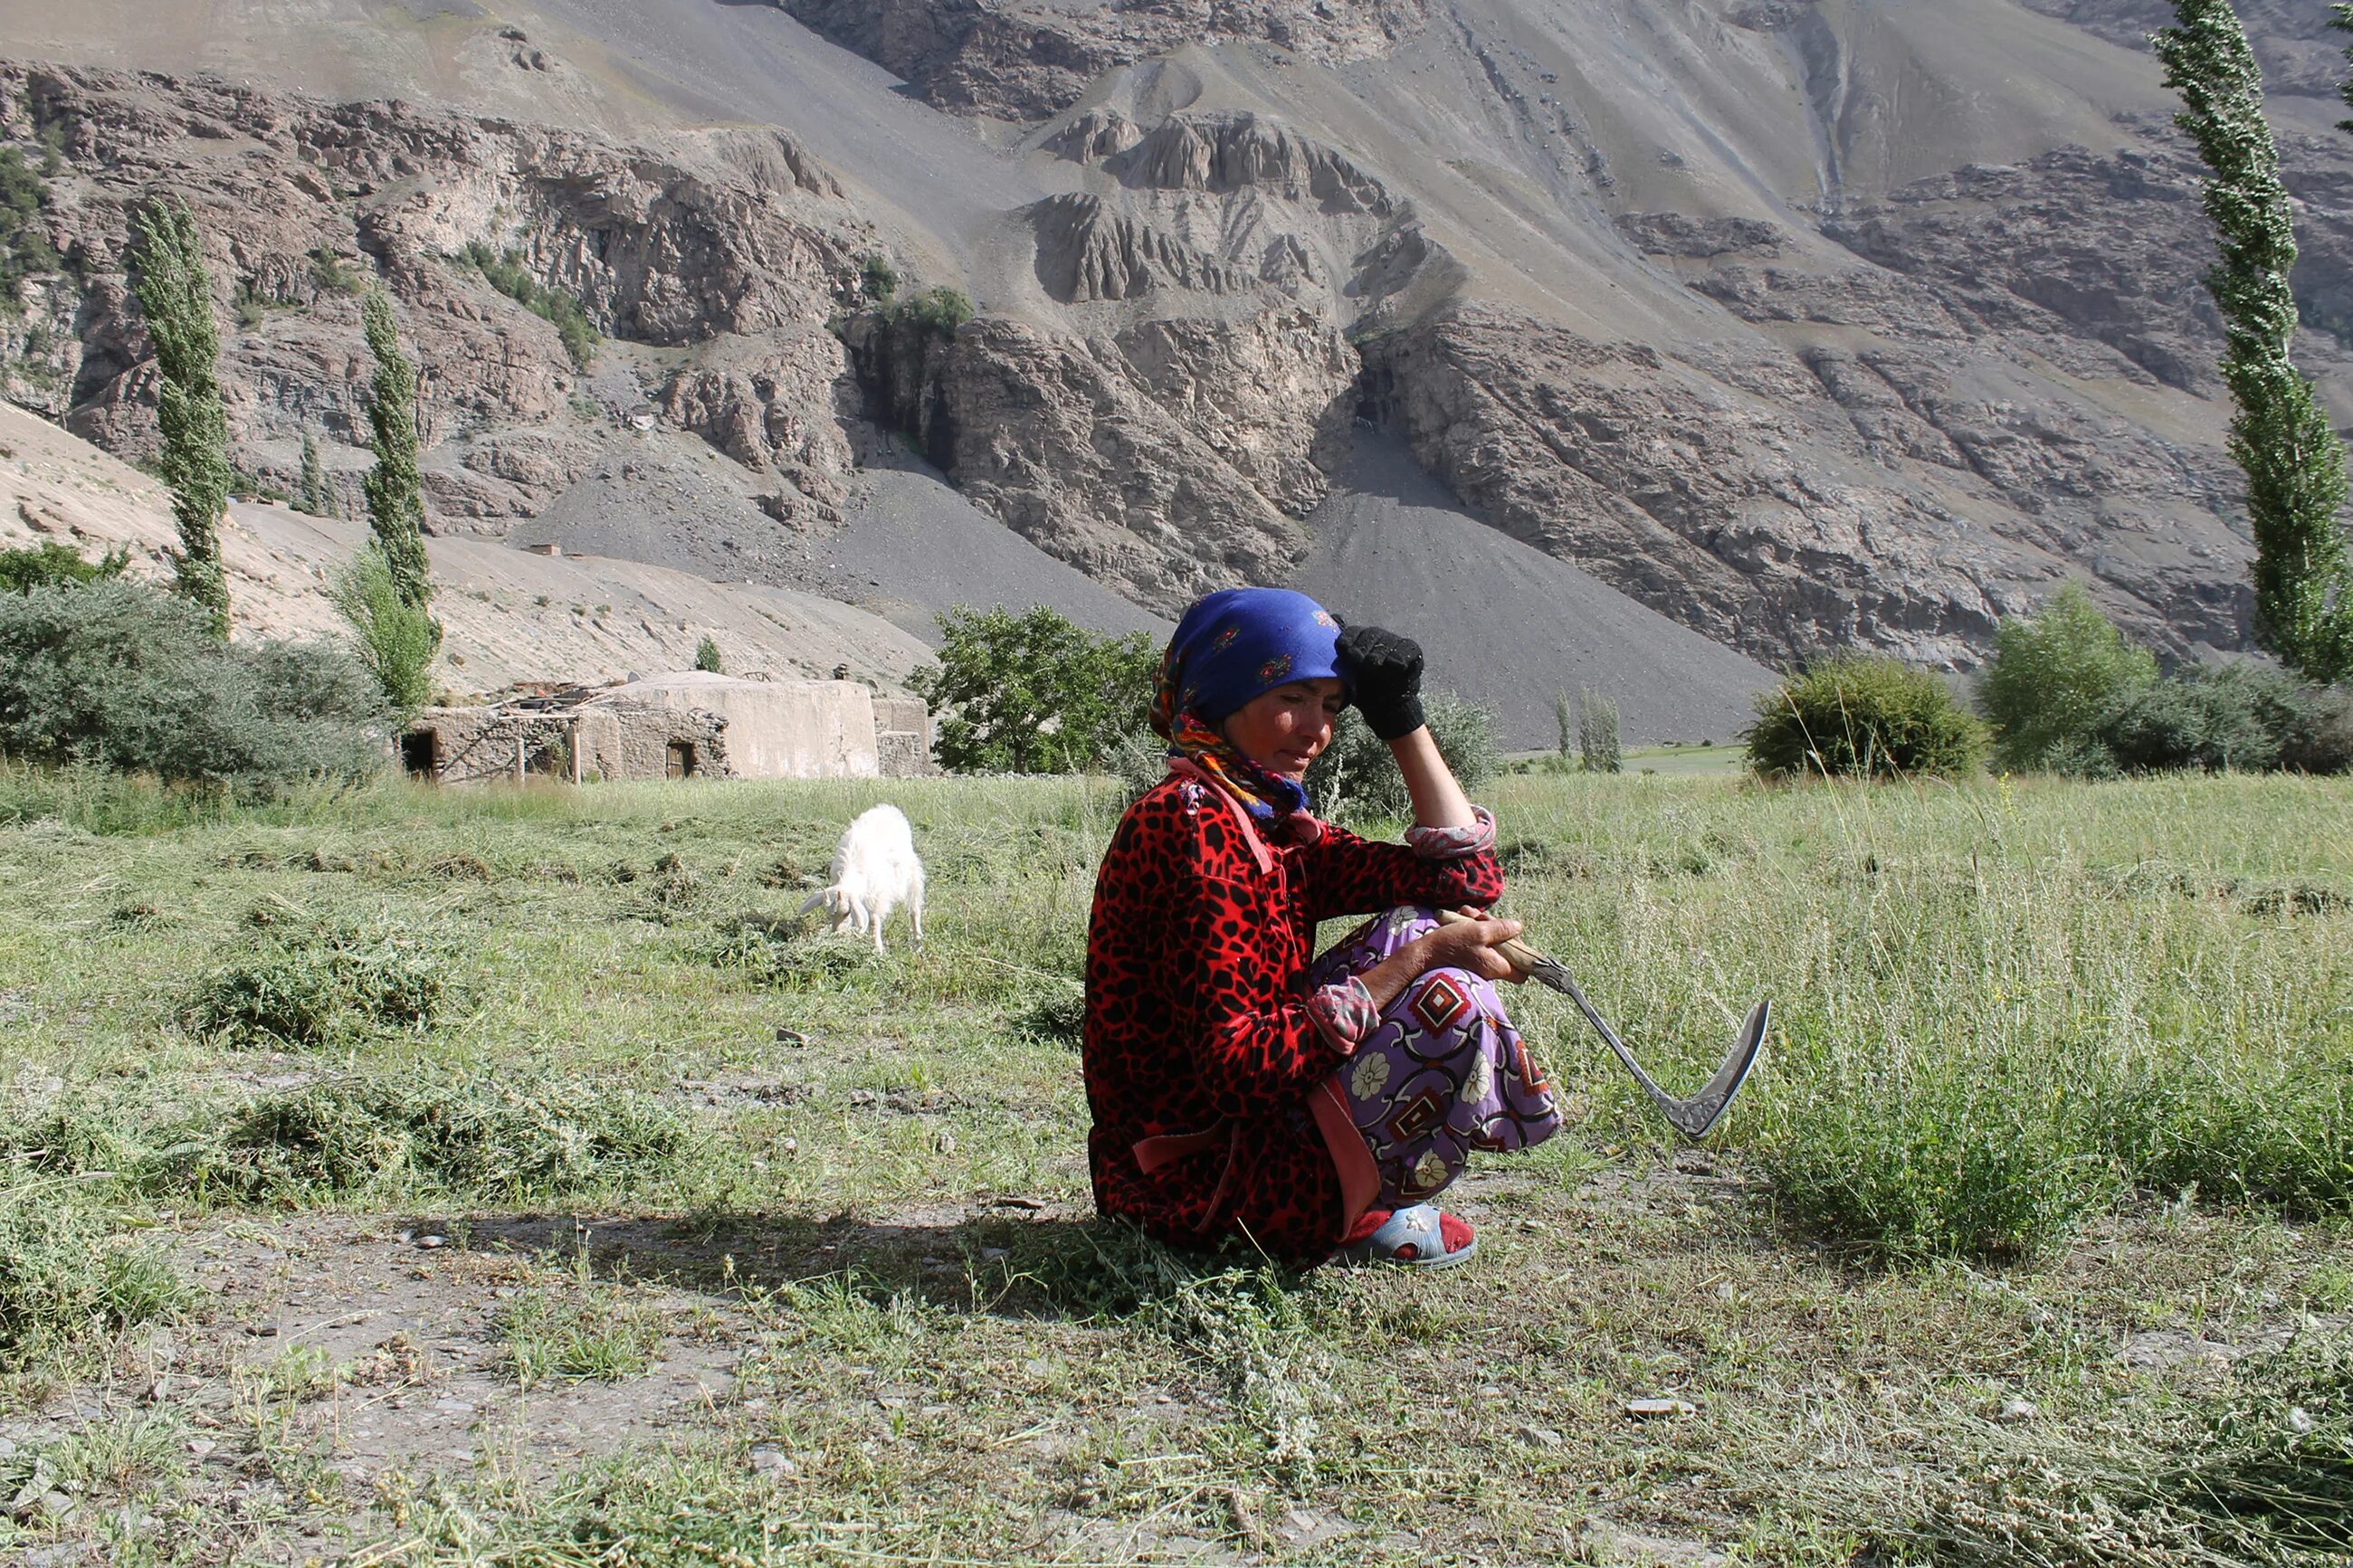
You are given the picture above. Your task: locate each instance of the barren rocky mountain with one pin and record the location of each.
(1803, 324)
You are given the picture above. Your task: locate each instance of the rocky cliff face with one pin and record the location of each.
(1029, 60)
(697, 243)
(1638, 286)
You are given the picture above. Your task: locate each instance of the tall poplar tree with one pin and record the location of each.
(2294, 462)
(167, 266)
(312, 495)
(2341, 18)
(396, 497)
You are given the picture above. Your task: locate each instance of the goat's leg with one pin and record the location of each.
(881, 913)
(916, 912)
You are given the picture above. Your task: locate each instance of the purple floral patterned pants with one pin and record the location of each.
(1443, 1074)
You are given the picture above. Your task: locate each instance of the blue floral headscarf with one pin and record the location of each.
(1230, 648)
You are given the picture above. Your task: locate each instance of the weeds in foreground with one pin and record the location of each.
(603, 1334)
(70, 1275)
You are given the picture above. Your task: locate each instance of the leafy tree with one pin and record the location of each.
(49, 562)
(1032, 693)
(1598, 743)
(312, 496)
(397, 639)
(2053, 676)
(1863, 717)
(396, 497)
(2293, 460)
(116, 674)
(168, 271)
(706, 656)
(877, 279)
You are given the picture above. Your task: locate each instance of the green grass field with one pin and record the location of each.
(504, 1177)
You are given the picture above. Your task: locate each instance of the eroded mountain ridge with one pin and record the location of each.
(1878, 414)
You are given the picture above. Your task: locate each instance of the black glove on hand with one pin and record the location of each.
(1384, 674)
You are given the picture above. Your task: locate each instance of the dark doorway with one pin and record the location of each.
(679, 762)
(420, 754)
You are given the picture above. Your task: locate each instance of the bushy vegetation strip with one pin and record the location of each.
(114, 675)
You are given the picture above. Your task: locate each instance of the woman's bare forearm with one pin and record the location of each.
(1437, 799)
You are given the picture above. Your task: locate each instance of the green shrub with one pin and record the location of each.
(502, 1134)
(507, 274)
(2282, 1140)
(877, 279)
(397, 641)
(1356, 775)
(118, 675)
(2324, 743)
(51, 564)
(67, 1276)
(706, 657)
(2053, 676)
(2213, 716)
(328, 271)
(937, 312)
(331, 985)
(1867, 717)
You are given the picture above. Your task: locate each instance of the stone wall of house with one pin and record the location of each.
(902, 736)
(620, 741)
(653, 741)
(469, 745)
(775, 729)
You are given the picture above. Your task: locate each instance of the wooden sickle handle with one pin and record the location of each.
(1517, 954)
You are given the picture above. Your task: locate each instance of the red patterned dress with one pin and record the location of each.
(1205, 1044)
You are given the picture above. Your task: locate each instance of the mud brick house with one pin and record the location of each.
(684, 725)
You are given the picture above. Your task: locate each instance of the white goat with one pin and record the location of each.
(875, 869)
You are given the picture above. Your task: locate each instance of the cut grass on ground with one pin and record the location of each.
(2055, 1119)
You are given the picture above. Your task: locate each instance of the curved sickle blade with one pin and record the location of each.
(1695, 1116)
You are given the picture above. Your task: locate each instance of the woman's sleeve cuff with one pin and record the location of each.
(1454, 842)
(1343, 1015)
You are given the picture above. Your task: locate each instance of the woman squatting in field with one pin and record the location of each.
(1240, 1085)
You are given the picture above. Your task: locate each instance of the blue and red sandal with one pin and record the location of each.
(1422, 1237)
